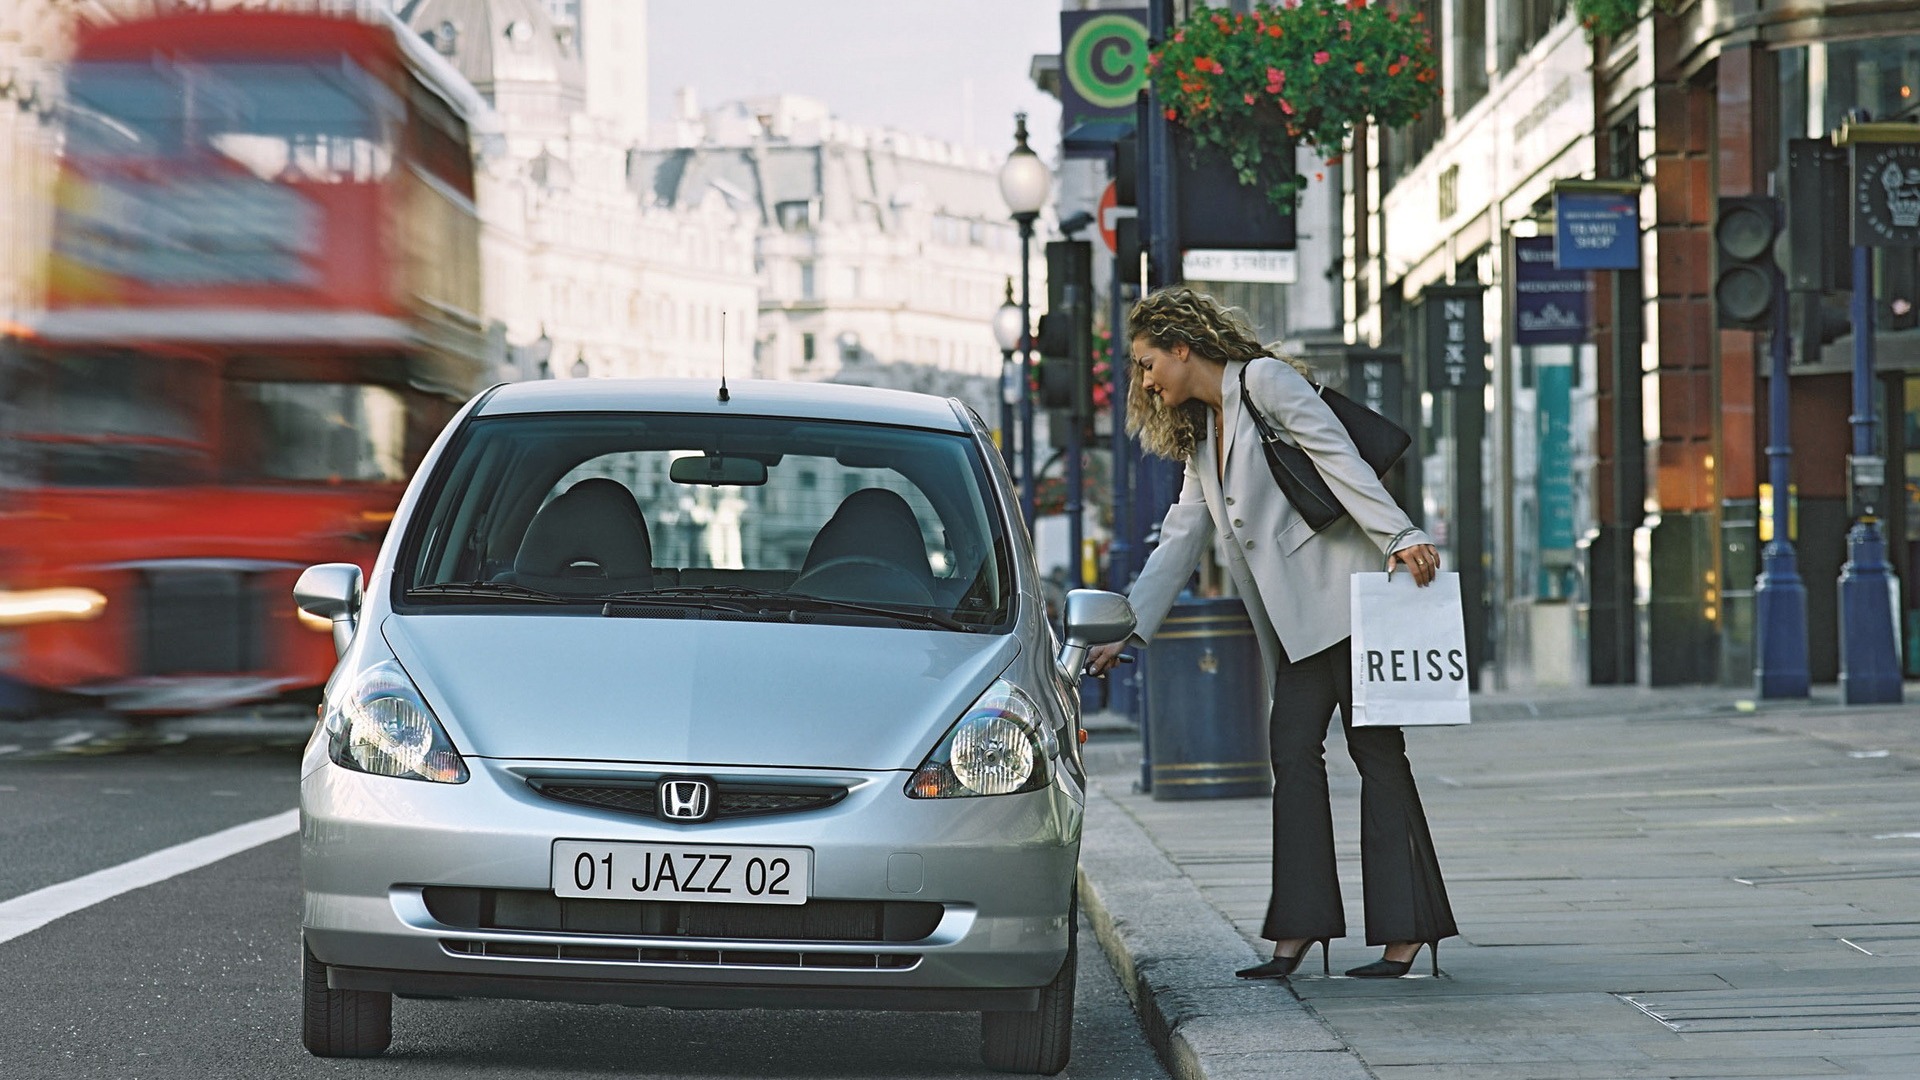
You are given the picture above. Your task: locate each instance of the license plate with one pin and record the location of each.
(714, 873)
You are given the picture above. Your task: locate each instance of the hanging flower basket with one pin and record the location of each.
(1611, 18)
(1251, 87)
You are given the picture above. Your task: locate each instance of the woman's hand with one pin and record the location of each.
(1422, 559)
(1102, 658)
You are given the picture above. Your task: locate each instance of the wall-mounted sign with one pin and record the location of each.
(1550, 304)
(1103, 63)
(1596, 230)
(1886, 194)
(1456, 340)
(1376, 379)
(1259, 267)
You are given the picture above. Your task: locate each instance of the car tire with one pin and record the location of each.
(1037, 1042)
(341, 1023)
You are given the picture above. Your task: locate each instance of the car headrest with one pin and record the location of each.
(875, 523)
(592, 536)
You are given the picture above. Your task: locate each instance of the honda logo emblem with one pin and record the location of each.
(685, 800)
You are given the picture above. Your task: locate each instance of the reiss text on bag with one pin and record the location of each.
(1409, 652)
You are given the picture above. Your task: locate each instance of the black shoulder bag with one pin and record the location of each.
(1379, 440)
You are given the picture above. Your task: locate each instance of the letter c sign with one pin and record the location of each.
(1105, 59)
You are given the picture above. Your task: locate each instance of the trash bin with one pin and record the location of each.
(1206, 707)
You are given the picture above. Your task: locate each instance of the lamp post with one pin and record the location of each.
(1024, 184)
(1008, 324)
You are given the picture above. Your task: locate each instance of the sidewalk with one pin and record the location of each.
(1648, 884)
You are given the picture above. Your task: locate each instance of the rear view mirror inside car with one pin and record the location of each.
(719, 470)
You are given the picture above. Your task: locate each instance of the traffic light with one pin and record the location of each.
(1818, 255)
(1746, 281)
(1065, 338)
(1126, 192)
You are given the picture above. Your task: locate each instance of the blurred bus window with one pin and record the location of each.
(311, 431)
(281, 121)
(115, 418)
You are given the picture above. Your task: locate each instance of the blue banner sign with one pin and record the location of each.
(1550, 304)
(1596, 230)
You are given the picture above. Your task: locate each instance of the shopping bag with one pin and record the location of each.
(1409, 651)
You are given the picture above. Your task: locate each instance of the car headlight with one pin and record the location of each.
(1000, 747)
(380, 724)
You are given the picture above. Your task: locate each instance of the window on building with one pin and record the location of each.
(1523, 23)
(794, 215)
(1469, 54)
(806, 348)
(1402, 148)
(806, 281)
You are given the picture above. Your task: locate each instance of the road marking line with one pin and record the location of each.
(25, 914)
(10, 748)
(74, 739)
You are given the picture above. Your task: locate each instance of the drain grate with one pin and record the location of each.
(1782, 1010)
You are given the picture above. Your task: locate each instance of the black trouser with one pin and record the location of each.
(1405, 898)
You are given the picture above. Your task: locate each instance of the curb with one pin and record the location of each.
(1175, 954)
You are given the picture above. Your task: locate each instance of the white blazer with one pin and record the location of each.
(1293, 579)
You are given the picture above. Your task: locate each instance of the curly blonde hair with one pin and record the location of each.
(1212, 330)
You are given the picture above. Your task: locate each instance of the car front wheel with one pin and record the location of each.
(1038, 1041)
(341, 1023)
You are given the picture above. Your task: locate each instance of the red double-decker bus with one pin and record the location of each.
(261, 307)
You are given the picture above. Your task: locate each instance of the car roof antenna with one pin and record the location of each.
(724, 396)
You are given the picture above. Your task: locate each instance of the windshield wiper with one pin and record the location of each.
(796, 602)
(496, 590)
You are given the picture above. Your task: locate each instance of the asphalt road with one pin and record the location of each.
(197, 975)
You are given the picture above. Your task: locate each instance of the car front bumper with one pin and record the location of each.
(1000, 869)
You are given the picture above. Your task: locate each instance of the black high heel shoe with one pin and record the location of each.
(1282, 966)
(1393, 969)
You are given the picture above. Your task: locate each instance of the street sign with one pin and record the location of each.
(1886, 194)
(1103, 63)
(1109, 213)
(1258, 267)
(1596, 230)
(1456, 342)
(1549, 303)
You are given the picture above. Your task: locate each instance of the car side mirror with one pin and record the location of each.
(331, 591)
(1094, 617)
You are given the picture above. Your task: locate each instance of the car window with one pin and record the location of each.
(586, 506)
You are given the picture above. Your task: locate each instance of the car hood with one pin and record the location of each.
(694, 692)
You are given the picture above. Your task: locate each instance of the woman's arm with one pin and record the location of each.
(1289, 402)
(1184, 535)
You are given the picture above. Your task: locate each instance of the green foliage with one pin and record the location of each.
(1611, 18)
(1254, 86)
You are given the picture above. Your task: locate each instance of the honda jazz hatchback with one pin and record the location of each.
(663, 695)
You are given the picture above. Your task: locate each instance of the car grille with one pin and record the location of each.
(842, 921)
(619, 954)
(201, 622)
(636, 795)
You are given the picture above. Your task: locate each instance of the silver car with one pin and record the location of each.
(661, 694)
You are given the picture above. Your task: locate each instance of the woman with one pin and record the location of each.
(1190, 356)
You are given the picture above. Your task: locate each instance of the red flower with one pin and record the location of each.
(1360, 68)
(1181, 35)
(1248, 98)
(1393, 69)
(1319, 176)
(1286, 108)
(1173, 113)
(1274, 30)
(1322, 57)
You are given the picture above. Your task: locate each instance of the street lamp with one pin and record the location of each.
(1007, 324)
(1024, 184)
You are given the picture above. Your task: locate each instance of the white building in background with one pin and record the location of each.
(581, 276)
(881, 256)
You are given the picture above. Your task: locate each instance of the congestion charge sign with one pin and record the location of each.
(1103, 56)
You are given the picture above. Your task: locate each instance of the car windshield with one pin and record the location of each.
(830, 520)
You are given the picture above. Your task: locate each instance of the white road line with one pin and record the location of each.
(25, 914)
(74, 739)
(10, 748)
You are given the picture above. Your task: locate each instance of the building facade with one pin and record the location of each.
(881, 256)
(1619, 522)
(581, 277)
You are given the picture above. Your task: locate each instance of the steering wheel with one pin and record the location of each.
(863, 577)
